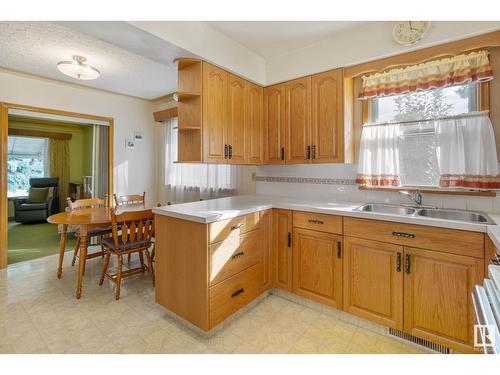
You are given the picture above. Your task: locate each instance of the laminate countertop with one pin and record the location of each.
(213, 210)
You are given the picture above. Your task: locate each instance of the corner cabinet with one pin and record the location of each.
(274, 120)
(282, 249)
(254, 124)
(298, 121)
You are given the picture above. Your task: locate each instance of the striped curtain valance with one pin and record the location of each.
(460, 69)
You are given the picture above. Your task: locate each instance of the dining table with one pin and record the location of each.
(87, 219)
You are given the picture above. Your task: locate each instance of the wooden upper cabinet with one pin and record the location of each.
(437, 296)
(254, 124)
(214, 113)
(274, 122)
(298, 121)
(327, 117)
(282, 249)
(317, 266)
(373, 281)
(236, 110)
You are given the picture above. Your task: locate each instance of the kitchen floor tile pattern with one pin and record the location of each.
(39, 314)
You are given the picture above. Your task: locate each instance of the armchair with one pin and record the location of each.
(25, 212)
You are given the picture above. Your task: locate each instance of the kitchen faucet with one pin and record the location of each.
(415, 198)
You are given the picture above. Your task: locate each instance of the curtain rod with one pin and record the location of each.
(465, 115)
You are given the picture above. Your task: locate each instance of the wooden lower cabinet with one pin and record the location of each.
(266, 225)
(373, 281)
(282, 249)
(225, 265)
(317, 266)
(437, 296)
(232, 294)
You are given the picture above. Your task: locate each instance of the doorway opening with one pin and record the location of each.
(46, 157)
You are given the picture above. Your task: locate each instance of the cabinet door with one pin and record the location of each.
(274, 120)
(317, 266)
(214, 113)
(298, 121)
(437, 295)
(282, 222)
(327, 117)
(254, 124)
(266, 221)
(236, 119)
(373, 281)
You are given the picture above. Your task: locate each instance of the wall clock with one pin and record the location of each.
(409, 32)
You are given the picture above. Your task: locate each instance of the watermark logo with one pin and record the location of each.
(485, 335)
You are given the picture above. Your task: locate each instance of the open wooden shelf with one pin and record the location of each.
(183, 63)
(187, 95)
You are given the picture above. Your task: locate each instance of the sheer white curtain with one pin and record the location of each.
(379, 156)
(182, 182)
(467, 152)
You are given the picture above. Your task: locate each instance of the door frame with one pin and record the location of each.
(4, 129)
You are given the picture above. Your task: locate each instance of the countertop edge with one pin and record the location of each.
(207, 212)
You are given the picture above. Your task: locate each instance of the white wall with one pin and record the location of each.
(133, 169)
(351, 193)
(211, 45)
(369, 41)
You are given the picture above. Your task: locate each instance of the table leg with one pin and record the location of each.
(62, 248)
(81, 262)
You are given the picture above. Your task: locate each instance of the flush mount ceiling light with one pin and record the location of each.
(78, 69)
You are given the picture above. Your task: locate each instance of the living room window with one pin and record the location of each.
(27, 157)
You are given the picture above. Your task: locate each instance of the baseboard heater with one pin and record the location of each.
(417, 340)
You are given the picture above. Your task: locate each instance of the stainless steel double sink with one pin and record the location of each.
(435, 213)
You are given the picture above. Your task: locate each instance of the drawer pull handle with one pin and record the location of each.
(315, 221)
(339, 249)
(237, 293)
(403, 234)
(407, 263)
(237, 226)
(398, 262)
(238, 254)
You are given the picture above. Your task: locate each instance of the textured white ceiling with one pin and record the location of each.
(36, 47)
(272, 38)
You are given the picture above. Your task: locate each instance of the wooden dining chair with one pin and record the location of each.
(132, 232)
(94, 233)
(130, 199)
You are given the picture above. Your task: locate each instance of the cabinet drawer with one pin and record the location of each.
(233, 255)
(319, 222)
(221, 230)
(442, 239)
(232, 294)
